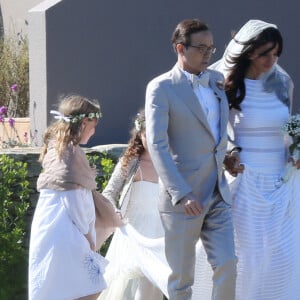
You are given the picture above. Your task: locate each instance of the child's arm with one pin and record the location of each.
(81, 212)
(90, 239)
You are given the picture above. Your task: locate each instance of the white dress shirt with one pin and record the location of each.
(210, 105)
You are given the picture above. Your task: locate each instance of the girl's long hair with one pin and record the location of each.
(63, 133)
(135, 146)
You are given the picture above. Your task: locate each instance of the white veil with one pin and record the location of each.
(235, 47)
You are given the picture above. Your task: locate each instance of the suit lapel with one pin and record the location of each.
(185, 92)
(217, 87)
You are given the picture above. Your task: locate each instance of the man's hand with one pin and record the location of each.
(233, 164)
(191, 205)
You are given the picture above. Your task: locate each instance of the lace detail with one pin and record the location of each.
(95, 265)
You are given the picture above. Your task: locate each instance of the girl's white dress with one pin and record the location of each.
(125, 275)
(62, 265)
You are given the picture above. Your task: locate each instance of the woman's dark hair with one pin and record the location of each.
(234, 84)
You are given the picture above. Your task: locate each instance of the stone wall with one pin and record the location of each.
(31, 156)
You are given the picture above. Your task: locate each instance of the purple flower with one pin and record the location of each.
(14, 87)
(11, 122)
(1, 119)
(3, 110)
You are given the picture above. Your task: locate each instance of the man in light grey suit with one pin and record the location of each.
(186, 119)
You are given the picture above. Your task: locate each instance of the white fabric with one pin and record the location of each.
(59, 116)
(61, 264)
(208, 101)
(137, 250)
(211, 107)
(266, 218)
(235, 47)
(199, 80)
(125, 272)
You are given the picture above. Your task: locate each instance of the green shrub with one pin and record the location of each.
(14, 203)
(105, 165)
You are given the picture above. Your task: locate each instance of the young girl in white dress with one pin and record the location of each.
(134, 180)
(62, 262)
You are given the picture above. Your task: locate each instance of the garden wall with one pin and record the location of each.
(31, 156)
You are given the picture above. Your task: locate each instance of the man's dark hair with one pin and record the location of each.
(184, 30)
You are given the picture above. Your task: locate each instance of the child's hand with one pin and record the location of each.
(90, 240)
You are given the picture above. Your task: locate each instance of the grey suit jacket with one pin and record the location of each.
(181, 144)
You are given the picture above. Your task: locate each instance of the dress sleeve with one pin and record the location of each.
(80, 208)
(116, 182)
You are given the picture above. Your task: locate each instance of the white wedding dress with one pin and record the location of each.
(266, 213)
(127, 259)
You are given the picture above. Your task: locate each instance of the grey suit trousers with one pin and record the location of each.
(214, 227)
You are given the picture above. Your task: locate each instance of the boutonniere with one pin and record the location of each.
(220, 85)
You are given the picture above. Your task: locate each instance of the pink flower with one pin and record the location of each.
(11, 122)
(14, 87)
(3, 110)
(1, 119)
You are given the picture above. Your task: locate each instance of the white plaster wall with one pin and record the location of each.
(15, 15)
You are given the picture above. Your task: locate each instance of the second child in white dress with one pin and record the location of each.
(134, 180)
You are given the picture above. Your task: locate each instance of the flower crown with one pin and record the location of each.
(139, 122)
(75, 118)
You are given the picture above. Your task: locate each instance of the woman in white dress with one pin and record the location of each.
(62, 262)
(133, 186)
(265, 210)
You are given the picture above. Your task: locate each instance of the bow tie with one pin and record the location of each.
(200, 80)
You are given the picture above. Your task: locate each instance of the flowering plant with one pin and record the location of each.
(14, 76)
(292, 128)
(10, 136)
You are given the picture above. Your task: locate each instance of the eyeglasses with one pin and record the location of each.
(204, 49)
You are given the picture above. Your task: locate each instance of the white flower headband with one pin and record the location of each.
(75, 118)
(139, 122)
